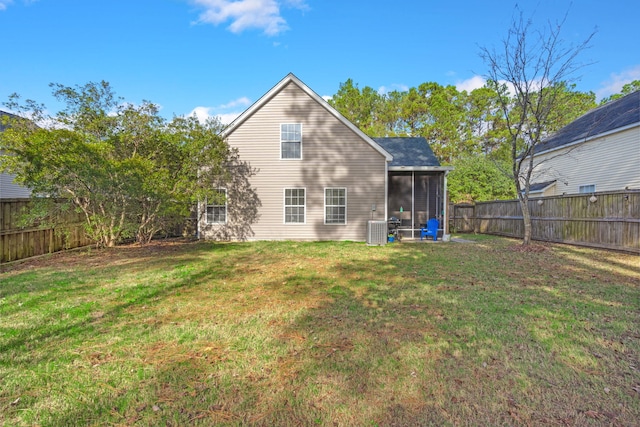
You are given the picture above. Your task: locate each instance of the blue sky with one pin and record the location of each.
(216, 57)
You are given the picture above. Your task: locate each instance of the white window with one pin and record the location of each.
(591, 188)
(335, 205)
(294, 205)
(217, 209)
(291, 141)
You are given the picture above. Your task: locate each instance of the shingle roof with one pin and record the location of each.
(3, 113)
(540, 186)
(616, 114)
(409, 151)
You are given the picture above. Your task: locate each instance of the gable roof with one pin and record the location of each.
(411, 153)
(616, 115)
(290, 78)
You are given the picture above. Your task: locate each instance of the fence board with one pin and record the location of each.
(22, 242)
(610, 222)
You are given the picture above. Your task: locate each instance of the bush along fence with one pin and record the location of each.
(18, 241)
(609, 220)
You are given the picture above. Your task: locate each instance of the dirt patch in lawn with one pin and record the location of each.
(530, 248)
(92, 257)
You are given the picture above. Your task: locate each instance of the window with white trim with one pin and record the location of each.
(217, 210)
(291, 141)
(591, 188)
(335, 205)
(294, 205)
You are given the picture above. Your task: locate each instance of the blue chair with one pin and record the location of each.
(431, 229)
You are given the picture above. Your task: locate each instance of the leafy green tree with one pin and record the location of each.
(433, 111)
(436, 113)
(455, 123)
(360, 107)
(128, 171)
(484, 126)
(391, 114)
(477, 178)
(626, 90)
(570, 104)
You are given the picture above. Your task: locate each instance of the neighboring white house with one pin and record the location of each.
(599, 151)
(11, 190)
(8, 188)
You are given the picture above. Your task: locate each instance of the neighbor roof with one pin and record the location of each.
(621, 113)
(410, 153)
(4, 113)
(540, 186)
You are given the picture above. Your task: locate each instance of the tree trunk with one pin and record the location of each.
(526, 218)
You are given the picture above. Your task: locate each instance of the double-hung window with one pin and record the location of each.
(217, 208)
(294, 205)
(335, 205)
(291, 141)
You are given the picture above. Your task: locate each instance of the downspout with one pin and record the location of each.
(386, 189)
(198, 225)
(413, 203)
(446, 208)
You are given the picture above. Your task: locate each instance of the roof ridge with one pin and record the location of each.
(617, 114)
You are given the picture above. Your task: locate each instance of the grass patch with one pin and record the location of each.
(325, 333)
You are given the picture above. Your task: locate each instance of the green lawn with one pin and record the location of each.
(332, 333)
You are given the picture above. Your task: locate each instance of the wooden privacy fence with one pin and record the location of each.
(23, 242)
(609, 220)
(461, 218)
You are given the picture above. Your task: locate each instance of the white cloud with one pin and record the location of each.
(240, 102)
(201, 113)
(383, 90)
(470, 84)
(4, 4)
(227, 118)
(297, 4)
(617, 80)
(247, 14)
(226, 113)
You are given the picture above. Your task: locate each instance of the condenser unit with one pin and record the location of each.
(377, 232)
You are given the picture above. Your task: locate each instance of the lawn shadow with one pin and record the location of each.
(72, 283)
(361, 341)
(396, 335)
(387, 329)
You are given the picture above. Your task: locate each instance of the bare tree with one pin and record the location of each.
(530, 72)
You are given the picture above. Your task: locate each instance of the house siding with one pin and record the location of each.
(8, 188)
(332, 156)
(551, 191)
(11, 190)
(611, 162)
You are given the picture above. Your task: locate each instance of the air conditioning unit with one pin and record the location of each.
(377, 232)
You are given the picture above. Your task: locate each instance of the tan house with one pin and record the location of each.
(317, 176)
(599, 151)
